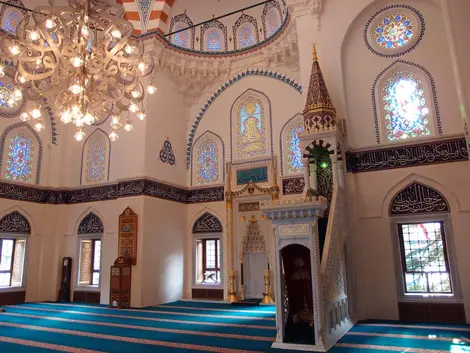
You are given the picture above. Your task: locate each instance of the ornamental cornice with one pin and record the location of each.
(193, 74)
(306, 207)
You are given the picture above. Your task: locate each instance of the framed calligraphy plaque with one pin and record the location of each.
(127, 240)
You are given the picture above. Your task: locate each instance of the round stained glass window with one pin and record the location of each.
(394, 31)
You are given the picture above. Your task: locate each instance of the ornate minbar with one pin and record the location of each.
(120, 283)
(295, 228)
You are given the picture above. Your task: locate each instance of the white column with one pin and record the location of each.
(313, 176)
(306, 175)
(334, 168)
(340, 165)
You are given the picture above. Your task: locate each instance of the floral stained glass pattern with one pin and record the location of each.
(251, 129)
(96, 160)
(181, 38)
(11, 20)
(20, 156)
(207, 164)
(406, 113)
(394, 31)
(247, 36)
(294, 158)
(272, 22)
(6, 94)
(214, 40)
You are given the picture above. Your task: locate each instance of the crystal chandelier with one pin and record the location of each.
(82, 61)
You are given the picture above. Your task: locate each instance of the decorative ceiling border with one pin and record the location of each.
(250, 72)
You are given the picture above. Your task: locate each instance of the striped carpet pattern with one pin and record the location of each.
(186, 326)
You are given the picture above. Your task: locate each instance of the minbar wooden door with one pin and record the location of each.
(120, 284)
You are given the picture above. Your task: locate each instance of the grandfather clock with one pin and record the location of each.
(66, 280)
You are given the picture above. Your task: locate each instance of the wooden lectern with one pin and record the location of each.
(120, 286)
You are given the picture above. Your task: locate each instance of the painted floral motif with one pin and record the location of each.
(207, 164)
(96, 160)
(394, 31)
(20, 156)
(294, 158)
(213, 40)
(406, 113)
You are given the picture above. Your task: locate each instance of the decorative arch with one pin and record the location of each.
(251, 72)
(90, 167)
(430, 95)
(259, 126)
(207, 223)
(214, 25)
(318, 144)
(245, 22)
(219, 155)
(418, 198)
(90, 224)
(15, 222)
(271, 9)
(26, 130)
(179, 22)
(285, 140)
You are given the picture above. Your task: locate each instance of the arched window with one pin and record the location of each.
(214, 36)
(183, 39)
(251, 126)
(214, 40)
(290, 148)
(21, 150)
(245, 31)
(271, 18)
(208, 159)
(95, 158)
(10, 20)
(405, 103)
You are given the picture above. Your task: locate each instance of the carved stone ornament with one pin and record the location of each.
(417, 198)
(207, 223)
(14, 222)
(91, 224)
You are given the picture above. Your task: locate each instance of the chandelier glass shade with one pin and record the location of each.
(82, 60)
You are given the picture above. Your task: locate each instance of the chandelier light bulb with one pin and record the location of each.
(115, 124)
(76, 61)
(151, 89)
(141, 115)
(128, 127)
(113, 136)
(24, 116)
(85, 31)
(49, 24)
(88, 119)
(66, 117)
(79, 135)
(11, 101)
(35, 113)
(2, 71)
(38, 126)
(34, 35)
(116, 33)
(21, 79)
(141, 66)
(134, 108)
(135, 94)
(129, 49)
(17, 94)
(76, 88)
(15, 50)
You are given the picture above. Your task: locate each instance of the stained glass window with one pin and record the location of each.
(294, 157)
(251, 129)
(181, 38)
(11, 19)
(272, 22)
(20, 158)
(246, 35)
(6, 95)
(214, 40)
(394, 31)
(424, 258)
(96, 159)
(406, 113)
(208, 162)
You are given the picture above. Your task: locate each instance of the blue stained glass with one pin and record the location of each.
(11, 21)
(6, 93)
(272, 22)
(247, 37)
(207, 162)
(181, 38)
(394, 31)
(20, 155)
(213, 40)
(96, 161)
(294, 159)
(406, 114)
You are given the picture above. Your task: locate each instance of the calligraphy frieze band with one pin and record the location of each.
(435, 152)
(248, 206)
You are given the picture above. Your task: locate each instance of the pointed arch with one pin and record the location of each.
(207, 223)
(208, 160)
(183, 39)
(16, 140)
(271, 18)
(90, 224)
(245, 32)
(291, 154)
(418, 79)
(96, 158)
(15, 222)
(251, 126)
(207, 30)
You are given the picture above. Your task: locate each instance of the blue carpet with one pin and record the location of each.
(185, 326)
